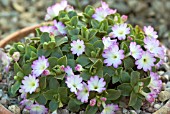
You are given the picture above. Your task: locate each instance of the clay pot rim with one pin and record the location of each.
(16, 36)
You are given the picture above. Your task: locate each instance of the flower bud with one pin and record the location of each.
(92, 102)
(16, 56)
(79, 67)
(103, 99)
(46, 72)
(62, 68)
(99, 103)
(124, 18)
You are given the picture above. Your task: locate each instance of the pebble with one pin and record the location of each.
(64, 111)
(15, 109)
(157, 106)
(25, 111)
(81, 112)
(164, 95)
(133, 112)
(1, 93)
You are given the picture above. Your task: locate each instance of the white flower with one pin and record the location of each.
(74, 82)
(110, 109)
(120, 31)
(30, 84)
(77, 47)
(108, 42)
(135, 50)
(83, 94)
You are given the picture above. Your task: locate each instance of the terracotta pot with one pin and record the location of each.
(16, 36)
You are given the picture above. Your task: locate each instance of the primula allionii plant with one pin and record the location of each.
(87, 61)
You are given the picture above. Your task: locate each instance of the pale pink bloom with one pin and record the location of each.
(103, 99)
(120, 31)
(77, 47)
(74, 82)
(23, 93)
(83, 94)
(39, 66)
(113, 56)
(54, 10)
(146, 61)
(108, 42)
(46, 72)
(30, 84)
(49, 29)
(16, 56)
(96, 84)
(135, 50)
(92, 102)
(102, 12)
(5, 59)
(26, 103)
(110, 109)
(38, 109)
(68, 70)
(149, 31)
(59, 28)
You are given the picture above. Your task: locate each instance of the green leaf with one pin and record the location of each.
(53, 105)
(98, 67)
(44, 37)
(85, 75)
(108, 70)
(49, 95)
(91, 109)
(42, 52)
(15, 87)
(133, 99)
(71, 63)
(129, 63)
(61, 40)
(53, 83)
(52, 61)
(33, 95)
(125, 77)
(95, 24)
(63, 93)
(27, 69)
(74, 32)
(62, 61)
(134, 78)
(112, 94)
(57, 52)
(124, 47)
(92, 34)
(41, 99)
(42, 82)
(107, 78)
(74, 21)
(73, 106)
(89, 10)
(125, 88)
(71, 14)
(115, 78)
(88, 49)
(145, 81)
(17, 68)
(138, 104)
(83, 60)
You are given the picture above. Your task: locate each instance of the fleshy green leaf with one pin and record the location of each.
(112, 94)
(134, 78)
(125, 77)
(44, 37)
(15, 87)
(61, 40)
(42, 82)
(53, 83)
(91, 109)
(63, 92)
(62, 61)
(73, 106)
(125, 88)
(53, 105)
(83, 60)
(128, 63)
(133, 99)
(41, 99)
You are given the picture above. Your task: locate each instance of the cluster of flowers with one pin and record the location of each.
(145, 57)
(81, 89)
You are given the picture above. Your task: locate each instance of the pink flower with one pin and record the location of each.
(102, 12)
(74, 82)
(30, 84)
(54, 10)
(108, 42)
(5, 59)
(59, 28)
(96, 84)
(110, 109)
(77, 47)
(39, 66)
(146, 61)
(38, 109)
(149, 31)
(103, 99)
(83, 94)
(124, 18)
(68, 70)
(46, 72)
(27, 103)
(113, 56)
(92, 102)
(120, 31)
(49, 29)
(23, 93)
(135, 50)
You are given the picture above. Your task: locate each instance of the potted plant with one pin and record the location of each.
(90, 61)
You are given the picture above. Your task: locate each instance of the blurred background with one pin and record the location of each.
(17, 14)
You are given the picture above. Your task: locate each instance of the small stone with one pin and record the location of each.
(164, 95)
(81, 112)
(133, 112)
(150, 109)
(15, 109)
(164, 109)
(161, 72)
(64, 111)
(157, 106)
(1, 93)
(125, 110)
